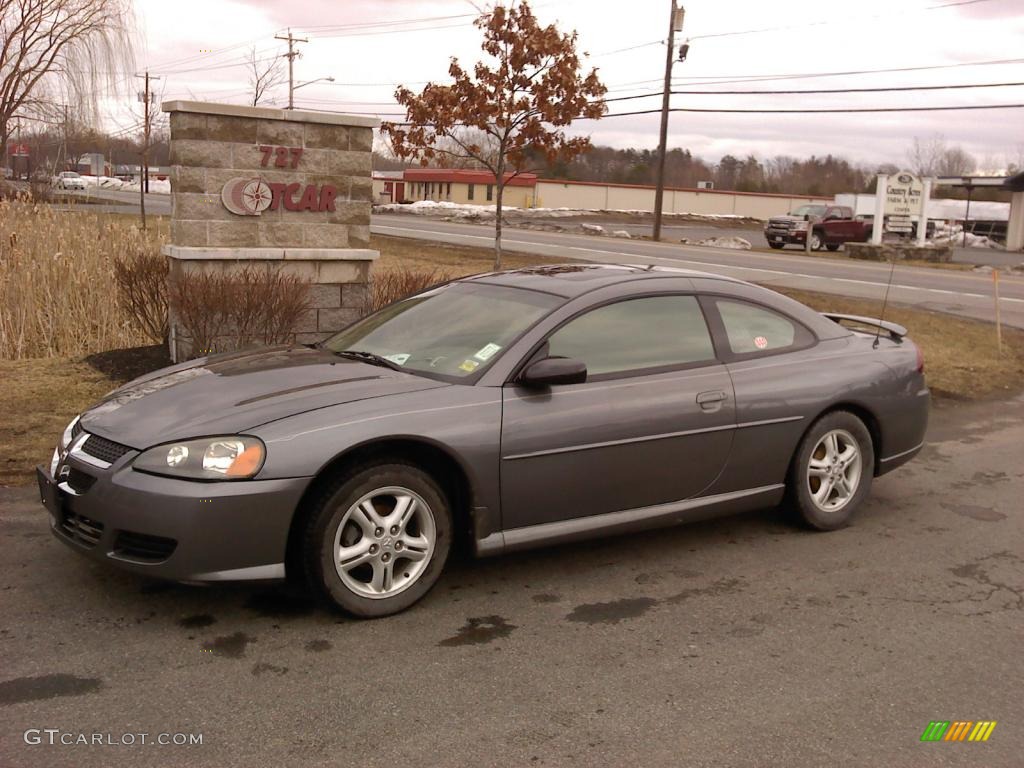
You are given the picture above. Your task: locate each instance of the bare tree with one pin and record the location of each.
(934, 157)
(265, 74)
(79, 47)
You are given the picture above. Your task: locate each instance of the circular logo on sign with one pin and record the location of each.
(904, 178)
(760, 342)
(246, 197)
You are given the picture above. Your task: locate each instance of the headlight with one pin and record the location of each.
(801, 226)
(234, 457)
(65, 438)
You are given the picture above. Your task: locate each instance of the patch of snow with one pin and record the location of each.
(734, 243)
(621, 233)
(595, 229)
(156, 186)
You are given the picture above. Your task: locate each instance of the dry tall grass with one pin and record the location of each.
(57, 294)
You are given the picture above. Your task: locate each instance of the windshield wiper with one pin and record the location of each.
(369, 357)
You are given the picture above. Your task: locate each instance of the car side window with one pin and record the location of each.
(636, 334)
(750, 328)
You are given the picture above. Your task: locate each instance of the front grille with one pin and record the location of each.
(82, 529)
(103, 449)
(141, 546)
(79, 481)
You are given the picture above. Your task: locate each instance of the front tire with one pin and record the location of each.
(776, 246)
(832, 471)
(816, 241)
(833, 247)
(377, 539)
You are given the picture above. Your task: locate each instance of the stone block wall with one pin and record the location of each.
(286, 189)
(899, 251)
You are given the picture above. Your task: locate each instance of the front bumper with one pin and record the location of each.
(785, 235)
(168, 528)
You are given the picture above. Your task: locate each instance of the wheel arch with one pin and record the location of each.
(433, 458)
(862, 412)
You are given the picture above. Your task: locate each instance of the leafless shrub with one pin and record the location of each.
(395, 284)
(141, 279)
(218, 311)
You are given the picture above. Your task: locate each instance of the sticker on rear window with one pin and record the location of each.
(487, 352)
(399, 358)
(760, 342)
(469, 366)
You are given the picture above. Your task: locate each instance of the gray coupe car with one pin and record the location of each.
(514, 409)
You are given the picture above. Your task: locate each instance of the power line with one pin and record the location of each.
(811, 111)
(901, 88)
(845, 20)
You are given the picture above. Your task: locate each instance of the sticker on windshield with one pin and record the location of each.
(487, 352)
(469, 366)
(760, 342)
(399, 358)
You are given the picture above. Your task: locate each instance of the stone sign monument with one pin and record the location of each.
(287, 189)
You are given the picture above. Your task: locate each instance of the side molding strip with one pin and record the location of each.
(649, 438)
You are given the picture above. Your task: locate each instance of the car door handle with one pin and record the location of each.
(711, 401)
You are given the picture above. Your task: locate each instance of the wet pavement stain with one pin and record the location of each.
(197, 621)
(546, 597)
(479, 631)
(318, 646)
(263, 668)
(230, 646)
(975, 513)
(720, 587)
(157, 587)
(23, 689)
(612, 612)
(280, 604)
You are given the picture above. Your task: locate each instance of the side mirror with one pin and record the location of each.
(552, 371)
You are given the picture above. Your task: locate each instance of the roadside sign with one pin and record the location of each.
(899, 224)
(17, 150)
(904, 195)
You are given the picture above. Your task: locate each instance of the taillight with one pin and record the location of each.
(920, 360)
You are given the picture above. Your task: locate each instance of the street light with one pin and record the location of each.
(310, 82)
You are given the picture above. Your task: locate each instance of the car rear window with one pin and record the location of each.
(751, 328)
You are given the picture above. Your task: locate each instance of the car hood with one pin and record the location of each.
(787, 218)
(231, 393)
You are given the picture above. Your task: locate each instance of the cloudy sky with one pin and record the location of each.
(369, 46)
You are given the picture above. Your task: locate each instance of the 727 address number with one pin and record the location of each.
(284, 157)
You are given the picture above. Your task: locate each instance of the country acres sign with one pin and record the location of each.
(904, 195)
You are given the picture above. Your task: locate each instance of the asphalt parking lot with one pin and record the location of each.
(741, 642)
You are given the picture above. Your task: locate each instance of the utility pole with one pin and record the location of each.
(144, 169)
(291, 56)
(675, 24)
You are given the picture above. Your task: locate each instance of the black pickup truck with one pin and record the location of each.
(829, 226)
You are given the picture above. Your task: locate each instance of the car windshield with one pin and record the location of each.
(809, 210)
(453, 331)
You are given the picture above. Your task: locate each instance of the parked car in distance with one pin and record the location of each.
(829, 226)
(69, 180)
(508, 410)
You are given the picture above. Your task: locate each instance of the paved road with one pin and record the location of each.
(124, 202)
(962, 293)
(739, 642)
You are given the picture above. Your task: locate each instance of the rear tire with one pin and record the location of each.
(833, 247)
(831, 473)
(377, 539)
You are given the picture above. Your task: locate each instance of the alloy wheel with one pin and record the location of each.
(384, 542)
(834, 470)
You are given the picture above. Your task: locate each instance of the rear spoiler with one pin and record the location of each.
(896, 332)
